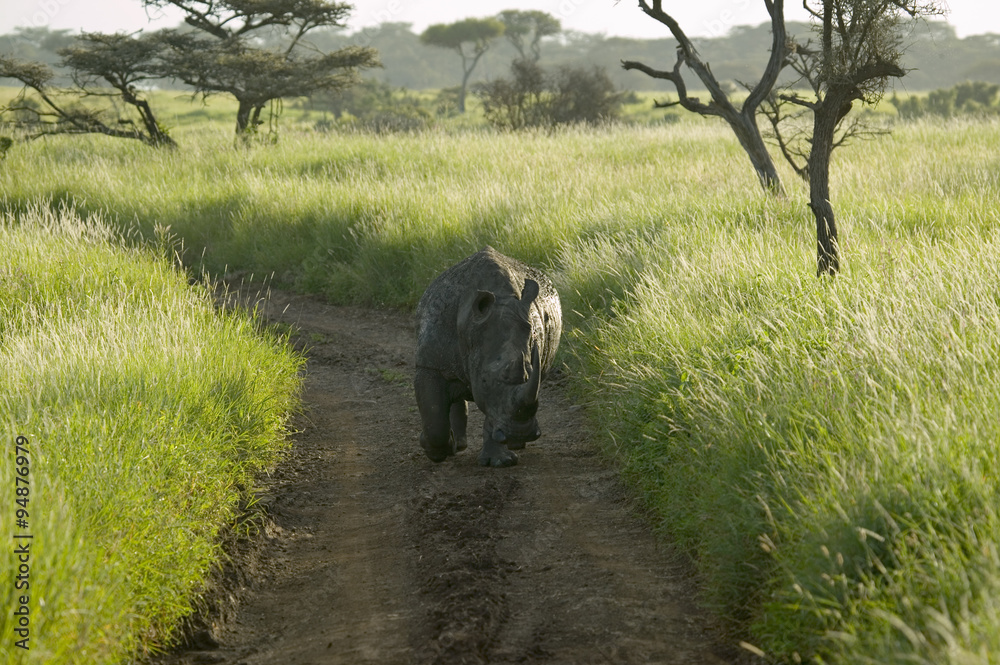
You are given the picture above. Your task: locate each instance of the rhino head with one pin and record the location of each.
(500, 336)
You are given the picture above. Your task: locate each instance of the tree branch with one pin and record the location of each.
(777, 61)
(795, 99)
(772, 111)
(656, 12)
(692, 104)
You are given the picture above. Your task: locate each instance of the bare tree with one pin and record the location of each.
(859, 51)
(470, 38)
(742, 120)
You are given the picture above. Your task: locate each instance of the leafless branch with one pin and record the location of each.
(787, 142)
(693, 104)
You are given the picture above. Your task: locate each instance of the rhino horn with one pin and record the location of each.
(527, 394)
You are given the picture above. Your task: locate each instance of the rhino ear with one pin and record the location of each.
(529, 292)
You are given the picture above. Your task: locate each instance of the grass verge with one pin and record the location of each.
(147, 414)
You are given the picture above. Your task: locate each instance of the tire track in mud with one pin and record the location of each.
(370, 553)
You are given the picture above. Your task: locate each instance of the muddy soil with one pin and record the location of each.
(370, 553)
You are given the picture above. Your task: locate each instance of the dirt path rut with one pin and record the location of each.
(373, 554)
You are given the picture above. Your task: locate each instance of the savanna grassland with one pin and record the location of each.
(825, 450)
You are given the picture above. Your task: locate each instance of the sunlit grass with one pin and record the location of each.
(148, 416)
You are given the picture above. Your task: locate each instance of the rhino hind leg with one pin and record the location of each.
(435, 409)
(459, 419)
(495, 453)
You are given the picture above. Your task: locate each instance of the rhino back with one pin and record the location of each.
(550, 314)
(486, 270)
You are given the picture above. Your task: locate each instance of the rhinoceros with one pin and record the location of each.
(487, 331)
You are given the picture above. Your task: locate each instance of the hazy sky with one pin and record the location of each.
(622, 18)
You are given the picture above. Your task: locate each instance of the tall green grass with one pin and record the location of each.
(148, 414)
(828, 450)
(825, 449)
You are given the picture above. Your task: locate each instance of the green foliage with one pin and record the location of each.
(148, 414)
(42, 110)
(535, 98)
(373, 105)
(967, 98)
(475, 32)
(124, 62)
(255, 76)
(581, 95)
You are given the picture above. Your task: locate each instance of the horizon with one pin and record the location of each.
(611, 18)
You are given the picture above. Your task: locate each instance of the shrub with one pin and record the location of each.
(372, 105)
(534, 98)
(582, 95)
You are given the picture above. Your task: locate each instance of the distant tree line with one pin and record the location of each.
(938, 58)
(966, 98)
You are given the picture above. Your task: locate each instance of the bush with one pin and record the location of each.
(372, 105)
(534, 98)
(583, 95)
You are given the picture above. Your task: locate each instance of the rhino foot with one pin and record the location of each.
(435, 451)
(497, 457)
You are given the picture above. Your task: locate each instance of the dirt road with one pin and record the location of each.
(373, 554)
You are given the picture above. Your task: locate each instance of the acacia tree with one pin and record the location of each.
(470, 38)
(859, 51)
(121, 61)
(226, 60)
(525, 30)
(742, 119)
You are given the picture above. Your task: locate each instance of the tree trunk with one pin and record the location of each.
(243, 118)
(156, 136)
(466, 74)
(462, 90)
(746, 130)
(826, 116)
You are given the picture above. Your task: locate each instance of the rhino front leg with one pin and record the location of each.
(495, 453)
(460, 423)
(434, 405)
